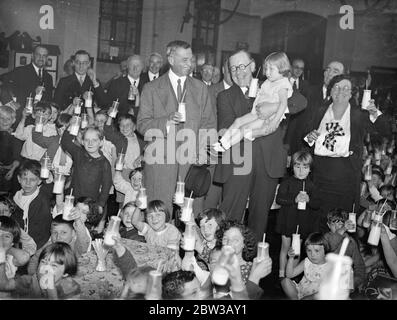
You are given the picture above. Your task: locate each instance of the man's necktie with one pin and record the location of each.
(154, 78)
(134, 83)
(41, 75)
(294, 87)
(81, 80)
(179, 90)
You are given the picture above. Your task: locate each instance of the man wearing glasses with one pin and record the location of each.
(269, 155)
(77, 84)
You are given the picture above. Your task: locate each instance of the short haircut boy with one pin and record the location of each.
(29, 165)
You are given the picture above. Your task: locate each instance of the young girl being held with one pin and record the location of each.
(127, 229)
(156, 230)
(276, 89)
(290, 195)
(313, 267)
(53, 277)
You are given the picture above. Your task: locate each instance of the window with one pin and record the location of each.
(205, 28)
(119, 29)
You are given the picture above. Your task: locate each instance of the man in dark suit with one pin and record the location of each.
(296, 121)
(160, 122)
(120, 88)
(77, 84)
(267, 154)
(25, 81)
(155, 65)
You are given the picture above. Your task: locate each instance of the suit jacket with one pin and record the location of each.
(304, 87)
(158, 101)
(145, 77)
(119, 88)
(23, 81)
(232, 104)
(69, 87)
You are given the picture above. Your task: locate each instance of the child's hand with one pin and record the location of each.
(260, 269)
(313, 136)
(349, 224)
(300, 197)
(188, 263)
(137, 162)
(291, 253)
(236, 281)
(47, 279)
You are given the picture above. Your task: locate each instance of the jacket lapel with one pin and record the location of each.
(166, 94)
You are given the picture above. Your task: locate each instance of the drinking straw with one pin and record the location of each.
(353, 207)
(183, 97)
(71, 191)
(118, 213)
(89, 89)
(159, 265)
(191, 194)
(297, 229)
(30, 95)
(117, 100)
(303, 185)
(258, 71)
(264, 236)
(380, 211)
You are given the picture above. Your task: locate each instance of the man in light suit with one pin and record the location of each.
(159, 121)
(154, 68)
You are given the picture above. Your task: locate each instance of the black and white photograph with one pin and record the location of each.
(200, 150)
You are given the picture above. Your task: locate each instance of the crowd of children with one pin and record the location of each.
(45, 161)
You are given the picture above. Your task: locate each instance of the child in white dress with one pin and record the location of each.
(313, 268)
(276, 89)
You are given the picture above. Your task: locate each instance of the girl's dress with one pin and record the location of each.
(169, 237)
(289, 216)
(311, 279)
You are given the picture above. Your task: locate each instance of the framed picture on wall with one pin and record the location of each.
(22, 59)
(51, 63)
(53, 74)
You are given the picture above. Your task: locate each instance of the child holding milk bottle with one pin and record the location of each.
(295, 195)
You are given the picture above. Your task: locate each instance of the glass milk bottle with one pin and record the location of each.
(39, 124)
(59, 183)
(352, 218)
(302, 204)
(142, 197)
(131, 95)
(154, 288)
(39, 94)
(263, 251)
(220, 275)
(120, 162)
(45, 167)
(114, 109)
(368, 173)
(68, 206)
(393, 220)
(253, 88)
(374, 235)
(77, 107)
(335, 282)
(29, 105)
(182, 111)
(180, 193)
(189, 236)
(84, 121)
(88, 101)
(75, 126)
(187, 210)
(112, 230)
(296, 243)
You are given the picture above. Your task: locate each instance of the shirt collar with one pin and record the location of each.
(151, 75)
(226, 85)
(208, 83)
(132, 80)
(174, 78)
(37, 69)
(79, 76)
(244, 89)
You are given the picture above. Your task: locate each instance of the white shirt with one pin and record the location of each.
(80, 78)
(152, 75)
(338, 145)
(132, 80)
(244, 89)
(174, 81)
(226, 85)
(292, 80)
(208, 83)
(37, 70)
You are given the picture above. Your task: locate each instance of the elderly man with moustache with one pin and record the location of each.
(268, 155)
(120, 88)
(160, 122)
